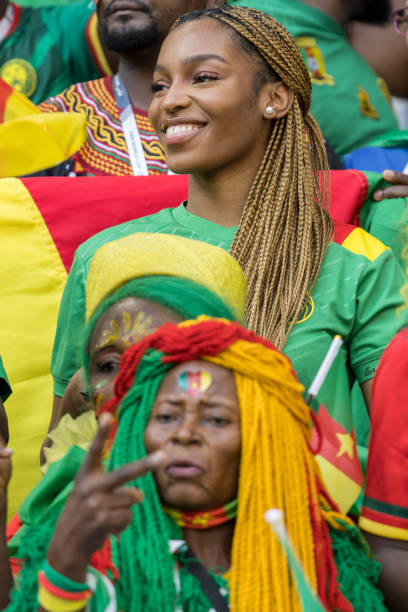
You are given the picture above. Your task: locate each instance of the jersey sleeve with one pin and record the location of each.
(385, 506)
(71, 26)
(378, 313)
(66, 355)
(5, 389)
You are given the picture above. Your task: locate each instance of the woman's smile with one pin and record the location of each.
(180, 132)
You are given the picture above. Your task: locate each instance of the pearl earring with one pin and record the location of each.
(269, 110)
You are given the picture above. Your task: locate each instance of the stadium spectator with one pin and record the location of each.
(44, 50)
(350, 102)
(121, 139)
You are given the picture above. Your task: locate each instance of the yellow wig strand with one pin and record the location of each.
(277, 470)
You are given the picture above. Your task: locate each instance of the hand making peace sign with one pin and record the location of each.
(99, 505)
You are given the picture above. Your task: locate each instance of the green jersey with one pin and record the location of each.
(48, 49)
(349, 101)
(356, 296)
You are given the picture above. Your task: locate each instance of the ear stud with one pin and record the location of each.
(269, 110)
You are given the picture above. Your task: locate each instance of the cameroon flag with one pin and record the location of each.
(338, 460)
(42, 222)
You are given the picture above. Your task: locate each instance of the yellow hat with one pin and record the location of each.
(140, 254)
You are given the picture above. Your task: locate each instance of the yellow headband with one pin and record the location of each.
(141, 254)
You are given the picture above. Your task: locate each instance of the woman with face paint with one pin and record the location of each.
(149, 280)
(207, 426)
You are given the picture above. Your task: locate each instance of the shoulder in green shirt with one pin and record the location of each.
(356, 295)
(349, 101)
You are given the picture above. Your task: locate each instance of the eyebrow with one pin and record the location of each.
(197, 58)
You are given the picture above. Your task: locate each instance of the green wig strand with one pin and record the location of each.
(142, 554)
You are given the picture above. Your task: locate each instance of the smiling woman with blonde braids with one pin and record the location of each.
(231, 98)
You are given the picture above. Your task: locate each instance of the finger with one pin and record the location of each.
(124, 497)
(119, 520)
(398, 178)
(398, 191)
(135, 469)
(93, 459)
(5, 453)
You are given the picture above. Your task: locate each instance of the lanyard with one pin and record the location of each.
(130, 129)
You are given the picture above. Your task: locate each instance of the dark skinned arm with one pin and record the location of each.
(393, 582)
(366, 390)
(6, 580)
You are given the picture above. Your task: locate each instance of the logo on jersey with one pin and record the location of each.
(307, 309)
(366, 108)
(20, 75)
(314, 59)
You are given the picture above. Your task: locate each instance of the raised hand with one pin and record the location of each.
(99, 505)
(399, 188)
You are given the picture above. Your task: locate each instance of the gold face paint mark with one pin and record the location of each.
(130, 330)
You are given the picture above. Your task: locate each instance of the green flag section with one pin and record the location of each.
(308, 598)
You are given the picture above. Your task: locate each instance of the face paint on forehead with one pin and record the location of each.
(131, 329)
(195, 382)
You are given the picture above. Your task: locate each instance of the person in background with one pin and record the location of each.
(350, 102)
(387, 55)
(121, 140)
(44, 50)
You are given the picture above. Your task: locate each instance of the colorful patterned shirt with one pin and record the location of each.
(105, 151)
(350, 102)
(47, 49)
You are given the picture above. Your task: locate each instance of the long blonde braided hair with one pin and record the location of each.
(284, 228)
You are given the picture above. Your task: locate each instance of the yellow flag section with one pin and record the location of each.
(32, 279)
(36, 142)
(30, 140)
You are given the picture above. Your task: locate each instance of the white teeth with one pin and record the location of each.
(177, 129)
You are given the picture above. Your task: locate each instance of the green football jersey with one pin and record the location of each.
(48, 49)
(356, 296)
(349, 101)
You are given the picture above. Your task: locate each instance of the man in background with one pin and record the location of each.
(44, 50)
(350, 101)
